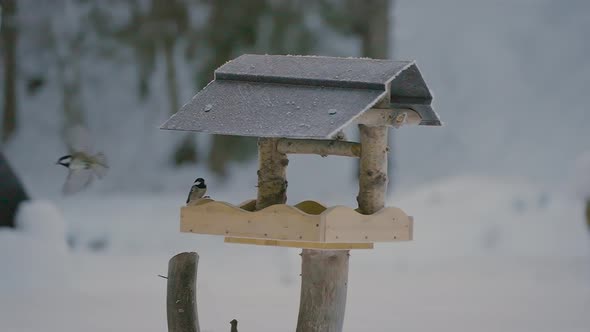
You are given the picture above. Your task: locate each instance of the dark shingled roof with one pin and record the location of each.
(300, 96)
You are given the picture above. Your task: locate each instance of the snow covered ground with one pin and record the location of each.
(490, 254)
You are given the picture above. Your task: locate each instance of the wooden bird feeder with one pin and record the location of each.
(299, 104)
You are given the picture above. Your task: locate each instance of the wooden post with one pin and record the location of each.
(321, 147)
(373, 169)
(181, 298)
(324, 281)
(272, 178)
(325, 273)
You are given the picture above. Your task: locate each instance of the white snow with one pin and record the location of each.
(35, 255)
(489, 254)
(42, 220)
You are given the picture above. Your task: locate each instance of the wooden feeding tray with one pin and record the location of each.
(308, 224)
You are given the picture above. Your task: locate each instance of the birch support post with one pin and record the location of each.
(324, 273)
(373, 169)
(272, 178)
(324, 282)
(321, 147)
(181, 297)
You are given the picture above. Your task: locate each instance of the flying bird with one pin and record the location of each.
(198, 190)
(83, 163)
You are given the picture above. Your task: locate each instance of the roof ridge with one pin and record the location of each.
(325, 82)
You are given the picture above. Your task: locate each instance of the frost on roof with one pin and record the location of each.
(300, 96)
(326, 71)
(271, 110)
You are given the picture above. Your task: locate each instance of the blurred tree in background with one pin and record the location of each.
(232, 27)
(588, 213)
(176, 35)
(8, 38)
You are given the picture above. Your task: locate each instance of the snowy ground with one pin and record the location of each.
(489, 254)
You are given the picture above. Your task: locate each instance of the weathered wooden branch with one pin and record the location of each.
(373, 169)
(181, 298)
(272, 179)
(324, 281)
(377, 117)
(321, 147)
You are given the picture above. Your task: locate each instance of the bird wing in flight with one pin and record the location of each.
(77, 180)
(100, 165)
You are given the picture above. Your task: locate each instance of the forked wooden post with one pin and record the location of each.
(181, 297)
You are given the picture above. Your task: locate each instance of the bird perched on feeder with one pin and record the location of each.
(198, 190)
(82, 162)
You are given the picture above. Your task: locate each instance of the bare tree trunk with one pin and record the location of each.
(68, 45)
(186, 151)
(9, 37)
(71, 91)
(375, 35)
(181, 298)
(171, 83)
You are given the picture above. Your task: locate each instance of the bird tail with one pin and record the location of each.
(100, 166)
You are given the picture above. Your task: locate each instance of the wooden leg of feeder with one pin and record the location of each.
(325, 273)
(373, 169)
(272, 179)
(181, 298)
(324, 282)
